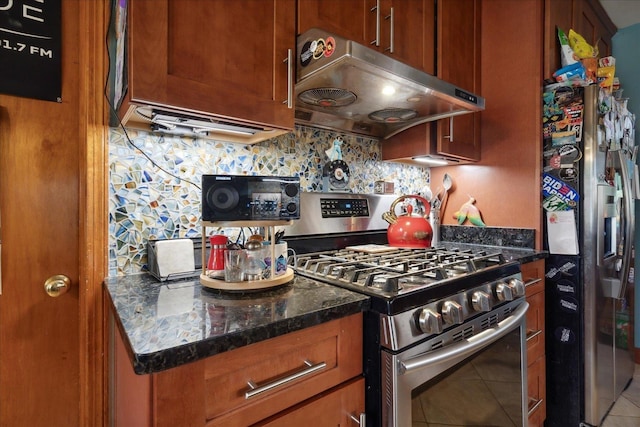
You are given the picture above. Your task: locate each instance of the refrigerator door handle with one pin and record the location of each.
(628, 221)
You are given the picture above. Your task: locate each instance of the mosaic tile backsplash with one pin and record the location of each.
(154, 187)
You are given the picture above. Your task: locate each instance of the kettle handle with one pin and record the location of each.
(391, 216)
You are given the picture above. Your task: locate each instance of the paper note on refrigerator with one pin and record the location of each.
(562, 237)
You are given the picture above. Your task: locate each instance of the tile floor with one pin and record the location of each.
(626, 411)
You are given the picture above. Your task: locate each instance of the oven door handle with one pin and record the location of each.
(468, 346)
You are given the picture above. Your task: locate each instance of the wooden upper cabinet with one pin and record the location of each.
(592, 22)
(407, 32)
(459, 63)
(587, 17)
(402, 29)
(226, 58)
(346, 18)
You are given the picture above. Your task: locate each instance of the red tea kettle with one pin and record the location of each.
(408, 231)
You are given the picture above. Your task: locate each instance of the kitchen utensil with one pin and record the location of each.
(428, 194)
(215, 265)
(447, 183)
(408, 231)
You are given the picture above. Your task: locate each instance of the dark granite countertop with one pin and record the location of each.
(167, 324)
(522, 255)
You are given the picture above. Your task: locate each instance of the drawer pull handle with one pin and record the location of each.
(532, 282)
(532, 334)
(309, 369)
(361, 420)
(533, 405)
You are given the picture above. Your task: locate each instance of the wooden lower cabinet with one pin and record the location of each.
(215, 391)
(533, 276)
(330, 409)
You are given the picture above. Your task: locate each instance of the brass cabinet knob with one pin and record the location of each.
(57, 285)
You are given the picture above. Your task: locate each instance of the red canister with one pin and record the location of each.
(216, 255)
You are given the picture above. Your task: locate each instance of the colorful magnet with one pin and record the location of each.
(555, 161)
(318, 52)
(330, 47)
(307, 53)
(568, 174)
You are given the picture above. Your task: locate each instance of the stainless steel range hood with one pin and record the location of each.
(344, 86)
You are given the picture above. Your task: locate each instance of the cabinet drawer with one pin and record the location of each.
(536, 378)
(533, 277)
(283, 372)
(333, 408)
(535, 327)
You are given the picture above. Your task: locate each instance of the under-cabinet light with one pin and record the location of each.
(431, 160)
(171, 123)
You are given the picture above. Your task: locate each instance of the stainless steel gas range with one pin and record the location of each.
(445, 335)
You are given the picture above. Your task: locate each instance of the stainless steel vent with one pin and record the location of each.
(328, 63)
(393, 115)
(328, 97)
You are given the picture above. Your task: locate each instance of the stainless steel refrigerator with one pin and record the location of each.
(589, 231)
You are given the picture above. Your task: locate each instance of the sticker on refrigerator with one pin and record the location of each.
(569, 154)
(567, 269)
(569, 305)
(552, 185)
(554, 203)
(565, 335)
(568, 174)
(565, 287)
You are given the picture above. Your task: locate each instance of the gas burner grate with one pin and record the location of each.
(394, 270)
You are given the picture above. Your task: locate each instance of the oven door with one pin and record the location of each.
(479, 379)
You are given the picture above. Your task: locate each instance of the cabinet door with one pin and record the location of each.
(351, 19)
(535, 326)
(459, 63)
(407, 32)
(557, 14)
(330, 409)
(220, 57)
(592, 23)
(536, 386)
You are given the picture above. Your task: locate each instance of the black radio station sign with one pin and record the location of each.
(30, 48)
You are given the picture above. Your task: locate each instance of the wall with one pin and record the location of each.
(506, 182)
(146, 202)
(625, 50)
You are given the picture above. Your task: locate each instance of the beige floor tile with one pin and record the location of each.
(624, 407)
(618, 421)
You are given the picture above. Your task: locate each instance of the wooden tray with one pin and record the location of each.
(250, 285)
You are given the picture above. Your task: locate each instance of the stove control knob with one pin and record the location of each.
(480, 301)
(452, 313)
(430, 322)
(504, 292)
(517, 286)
